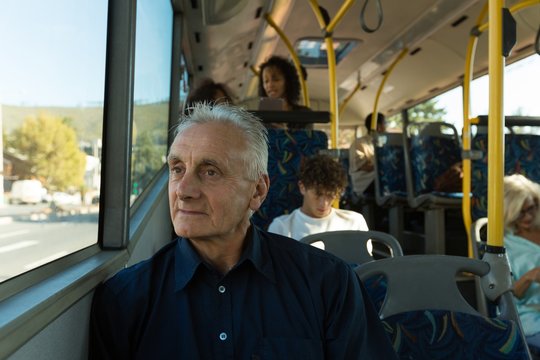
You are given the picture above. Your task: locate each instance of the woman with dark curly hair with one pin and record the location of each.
(321, 181)
(278, 79)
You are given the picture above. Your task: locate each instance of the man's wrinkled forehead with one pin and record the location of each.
(209, 140)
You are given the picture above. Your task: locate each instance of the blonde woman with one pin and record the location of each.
(522, 241)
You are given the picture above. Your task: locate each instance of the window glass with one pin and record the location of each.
(394, 123)
(184, 82)
(519, 97)
(51, 115)
(152, 90)
(447, 107)
(520, 89)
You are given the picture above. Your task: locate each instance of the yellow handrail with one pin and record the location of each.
(344, 103)
(471, 50)
(341, 12)
(331, 56)
(514, 9)
(379, 91)
(466, 136)
(496, 125)
(296, 61)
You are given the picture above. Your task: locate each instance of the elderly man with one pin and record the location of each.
(225, 289)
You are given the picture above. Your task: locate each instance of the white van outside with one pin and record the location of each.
(27, 192)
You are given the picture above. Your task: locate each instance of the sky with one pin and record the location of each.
(53, 52)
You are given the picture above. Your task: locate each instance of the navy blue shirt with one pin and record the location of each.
(283, 299)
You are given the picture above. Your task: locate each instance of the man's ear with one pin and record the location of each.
(260, 192)
(302, 188)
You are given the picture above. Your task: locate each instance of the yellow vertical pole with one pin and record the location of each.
(331, 55)
(466, 136)
(496, 125)
(294, 56)
(333, 97)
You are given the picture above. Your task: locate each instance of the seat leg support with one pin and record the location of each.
(434, 231)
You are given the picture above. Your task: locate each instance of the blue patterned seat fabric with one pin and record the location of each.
(286, 150)
(348, 197)
(438, 334)
(376, 287)
(391, 170)
(431, 156)
(522, 154)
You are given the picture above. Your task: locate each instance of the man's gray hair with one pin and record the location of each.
(256, 135)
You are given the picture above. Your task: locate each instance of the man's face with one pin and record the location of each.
(210, 195)
(317, 203)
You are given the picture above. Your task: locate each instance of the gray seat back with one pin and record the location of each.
(352, 245)
(420, 282)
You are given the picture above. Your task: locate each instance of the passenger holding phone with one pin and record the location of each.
(278, 79)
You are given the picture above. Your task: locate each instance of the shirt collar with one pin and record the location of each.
(187, 260)
(258, 254)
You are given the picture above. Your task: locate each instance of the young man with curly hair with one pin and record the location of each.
(321, 181)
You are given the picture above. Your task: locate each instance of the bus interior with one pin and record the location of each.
(113, 78)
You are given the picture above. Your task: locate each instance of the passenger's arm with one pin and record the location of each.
(523, 283)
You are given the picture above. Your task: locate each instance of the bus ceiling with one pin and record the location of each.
(224, 40)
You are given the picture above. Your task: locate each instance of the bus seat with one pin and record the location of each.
(286, 149)
(362, 203)
(479, 143)
(390, 189)
(426, 317)
(431, 148)
(526, 153)
(355, 246)
(359, 247)
(479, 239)
(389, 169)
(522, 153)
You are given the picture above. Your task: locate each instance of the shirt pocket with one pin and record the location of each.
(289, 348)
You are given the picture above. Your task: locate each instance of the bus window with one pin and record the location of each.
(151, 93)
(51, 115)
(429, 110)
(394, 123)
(520, 89)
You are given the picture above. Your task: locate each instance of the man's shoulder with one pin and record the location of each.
(135, 276)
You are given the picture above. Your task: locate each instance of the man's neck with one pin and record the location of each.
(222, 253)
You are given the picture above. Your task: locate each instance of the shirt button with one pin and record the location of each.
(222, 336)
(221, 289)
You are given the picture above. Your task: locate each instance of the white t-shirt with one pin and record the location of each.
(298, 225)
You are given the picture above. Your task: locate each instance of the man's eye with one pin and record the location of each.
(177, 170)
(211, 172)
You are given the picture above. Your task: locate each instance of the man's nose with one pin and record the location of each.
(188, 186)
